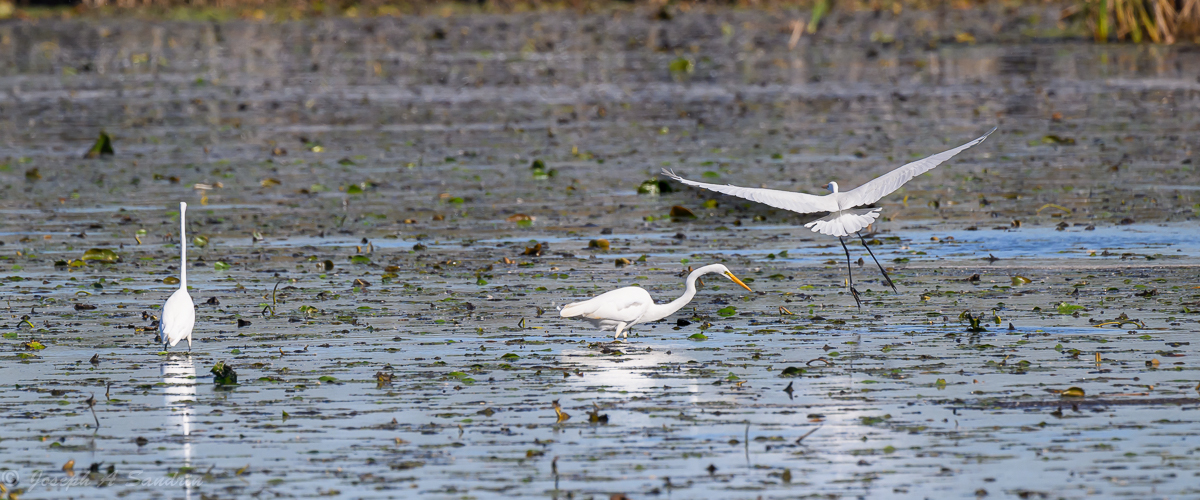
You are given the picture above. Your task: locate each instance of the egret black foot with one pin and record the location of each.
(854, 293)
(886, 278)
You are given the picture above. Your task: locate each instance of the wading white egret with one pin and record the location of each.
(622, 308)
(843, 219)
(179, 314)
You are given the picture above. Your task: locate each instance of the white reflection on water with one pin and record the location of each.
(179, 375)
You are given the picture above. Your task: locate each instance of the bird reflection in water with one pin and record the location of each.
(179, 377)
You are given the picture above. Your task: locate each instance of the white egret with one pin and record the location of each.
(179, 314)
(843, 219)
(622, 308)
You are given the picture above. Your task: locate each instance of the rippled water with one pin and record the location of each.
(408, 143)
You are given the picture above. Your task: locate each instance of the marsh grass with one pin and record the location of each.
(1157, 21)
(1137, 21)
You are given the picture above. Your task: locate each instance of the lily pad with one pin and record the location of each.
(1073, 392)
(102, 147)
(1065, 308)
(224, 374)
(101, 255)
(792, 371)
(655, 187)
(681, 212)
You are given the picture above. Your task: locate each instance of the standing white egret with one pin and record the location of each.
(179, 314)
(843, 219)
(622, 308)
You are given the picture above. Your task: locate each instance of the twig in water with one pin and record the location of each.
(91, 402)
(807, 434)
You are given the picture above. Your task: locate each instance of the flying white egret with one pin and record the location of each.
(843, 219)
(179, 314)
(622, 308)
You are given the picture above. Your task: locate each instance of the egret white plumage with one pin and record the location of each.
(843, 219)
(179, 313)
(622, 308)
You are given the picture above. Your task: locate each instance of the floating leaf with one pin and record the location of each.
(727, 311)
(462, 377)
(269, 182)
(101, 255)
(535, 250)
(360, 259)
(346, 162)
(520, 218)
(698, 336)
(622, 262)
(1021, 280)
(540, 172)
(354, 189)
(220, 265)
(200, 241)
(224, 374)
(1055, 139)
(1073, 392)
(600, 244)
(655, 187)
(681, 212)
(1065, 308)
(102, 147)
(170, 280)
(510, 356)
(792, 371)
(34, 345)
(681, 65)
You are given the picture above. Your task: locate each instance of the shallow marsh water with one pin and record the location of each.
(398, 150)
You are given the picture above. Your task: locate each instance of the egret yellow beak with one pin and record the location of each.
(738, 281)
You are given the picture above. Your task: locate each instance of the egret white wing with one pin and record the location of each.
(623, 304)
(885, 184)
(787, 200)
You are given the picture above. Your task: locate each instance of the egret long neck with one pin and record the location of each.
(660, 311)
(183, 246)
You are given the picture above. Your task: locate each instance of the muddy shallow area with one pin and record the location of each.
(370, 219)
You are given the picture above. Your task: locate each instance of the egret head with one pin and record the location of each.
(720, 268)
(832, 187)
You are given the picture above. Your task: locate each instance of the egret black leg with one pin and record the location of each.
(885, 274)
(850, 274)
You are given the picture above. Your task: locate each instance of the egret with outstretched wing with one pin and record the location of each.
(844, 217)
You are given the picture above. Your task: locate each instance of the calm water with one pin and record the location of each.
(400, 151)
